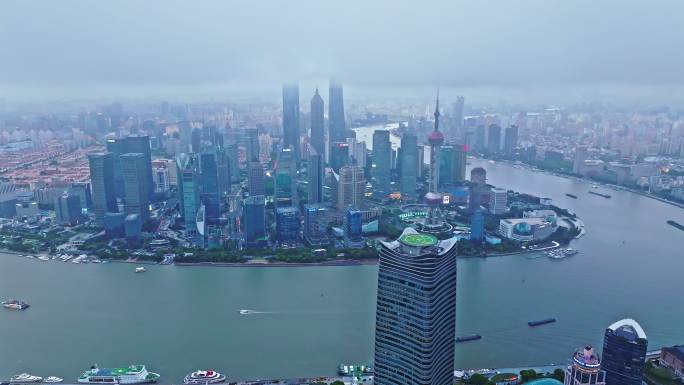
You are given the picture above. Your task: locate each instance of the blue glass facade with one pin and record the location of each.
(132, 144)
(315, 226)
(382, 163)
(287, 224)
(624, 353)
(254, 220)
(477, 226)
(315, 170)
(188, 190)
(354, 224)
(409, 164)
(102, 185)
(447, 156)
(114, 225)
(133, 229)
(210, 186)
(137, 196)
(416, 313)
(68, 209)
(286, 178)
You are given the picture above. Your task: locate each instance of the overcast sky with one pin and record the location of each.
(76, 48)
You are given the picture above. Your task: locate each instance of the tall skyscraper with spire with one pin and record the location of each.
(291, 117)
(318, 124)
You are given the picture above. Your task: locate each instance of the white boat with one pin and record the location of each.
(204, 377)
(43, 258)
(245, 311)
(140, 269)
(53, 380)
(25, 378)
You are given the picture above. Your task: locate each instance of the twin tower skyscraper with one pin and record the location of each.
(292, 123)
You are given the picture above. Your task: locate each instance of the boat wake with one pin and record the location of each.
(294, 312)
(250, 312)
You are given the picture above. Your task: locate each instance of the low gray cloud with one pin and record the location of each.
(487, 43)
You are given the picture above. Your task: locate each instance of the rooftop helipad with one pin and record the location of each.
(418, 240)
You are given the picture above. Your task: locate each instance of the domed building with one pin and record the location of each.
(585, 368)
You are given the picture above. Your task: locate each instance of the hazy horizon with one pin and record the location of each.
(491, 51)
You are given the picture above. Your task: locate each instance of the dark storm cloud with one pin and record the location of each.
(371, 43)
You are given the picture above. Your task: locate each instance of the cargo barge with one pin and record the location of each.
(599, 194)
(471, 337)
(541, 322)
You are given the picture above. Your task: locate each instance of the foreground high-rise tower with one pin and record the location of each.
(416, 311)
(624, 353)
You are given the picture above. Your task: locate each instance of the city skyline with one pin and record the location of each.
(321, 193)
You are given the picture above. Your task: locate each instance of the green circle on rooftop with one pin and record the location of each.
(419, 240)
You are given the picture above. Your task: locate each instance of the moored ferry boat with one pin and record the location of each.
(133, 374)
(15, 305)
(354, 370)
(204, 377)
(25, 378)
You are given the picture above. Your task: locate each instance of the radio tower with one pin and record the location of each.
(432, 198)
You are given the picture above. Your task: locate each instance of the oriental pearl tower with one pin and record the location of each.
(433, 199)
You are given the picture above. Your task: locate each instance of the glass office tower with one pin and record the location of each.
(624, 353)
(416, 311)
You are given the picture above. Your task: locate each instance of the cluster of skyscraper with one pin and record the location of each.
(347, 182)
(488, 139)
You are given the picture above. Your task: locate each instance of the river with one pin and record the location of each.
(178, 319)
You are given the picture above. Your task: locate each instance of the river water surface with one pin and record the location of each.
(309, 319)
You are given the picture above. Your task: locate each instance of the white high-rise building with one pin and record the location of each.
(161, 179)
(498, 201)
(350, 187)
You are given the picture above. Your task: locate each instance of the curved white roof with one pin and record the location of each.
(628, 322)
